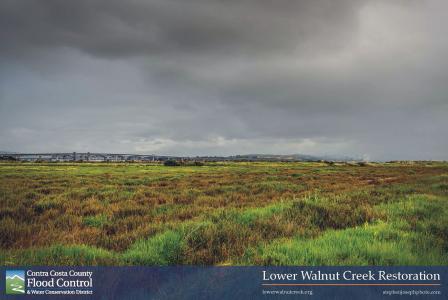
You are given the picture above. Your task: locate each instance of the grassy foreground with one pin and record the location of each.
(223, 214)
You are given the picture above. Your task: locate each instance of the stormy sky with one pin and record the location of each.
(364, 78)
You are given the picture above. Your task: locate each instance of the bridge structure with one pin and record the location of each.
(81, 156)
(117, 157)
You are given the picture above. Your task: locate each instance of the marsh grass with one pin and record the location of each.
(223, 213)
(414, 232)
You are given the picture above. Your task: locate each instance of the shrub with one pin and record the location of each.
(171, 163)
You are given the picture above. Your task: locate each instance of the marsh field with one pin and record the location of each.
(253, 213)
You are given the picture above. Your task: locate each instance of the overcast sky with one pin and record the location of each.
(365, 78)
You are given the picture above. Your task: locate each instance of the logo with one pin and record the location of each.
(15, 282)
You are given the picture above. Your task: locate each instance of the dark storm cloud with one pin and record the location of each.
(126, 28)
(223, 77)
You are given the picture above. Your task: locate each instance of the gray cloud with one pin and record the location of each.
(225, 77)
(117, 28)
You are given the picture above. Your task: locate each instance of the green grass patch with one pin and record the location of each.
(378, 244)
(60, 255)
(161, 249)
(97, 221)
(414, 233)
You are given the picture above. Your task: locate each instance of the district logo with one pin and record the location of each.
(15, 282)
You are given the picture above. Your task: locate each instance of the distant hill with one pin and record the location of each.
(293, 157)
